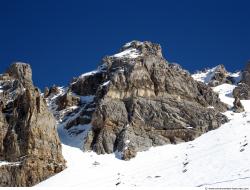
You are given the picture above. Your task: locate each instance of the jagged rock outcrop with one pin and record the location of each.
(54, 90)
(242, 91)
(220, 76)
(238, 107)
(140, 101)
(217, 76)
(67, 100)
(29, 142)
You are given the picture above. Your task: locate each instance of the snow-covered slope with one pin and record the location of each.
(74, 136)
(219, 158)
(207, 75)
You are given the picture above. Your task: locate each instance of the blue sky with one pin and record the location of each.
(62, 39)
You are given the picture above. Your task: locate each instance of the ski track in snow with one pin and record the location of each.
(219, 158)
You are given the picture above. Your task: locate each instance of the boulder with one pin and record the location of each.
(238, 107)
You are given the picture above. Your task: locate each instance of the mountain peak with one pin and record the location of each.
(136, 49)
(21, 71)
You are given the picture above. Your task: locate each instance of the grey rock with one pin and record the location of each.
(246, 74)
(238, 107)
(143, 101)
(28, 132)
(242, 91)
(221, 76)
(22, 72)
(46, 92)
(67, 100)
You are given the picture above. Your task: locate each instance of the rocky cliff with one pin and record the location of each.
(133, 101)
(242, 91)
(30, 150)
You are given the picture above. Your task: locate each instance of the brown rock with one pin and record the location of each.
(221, 76)
(28, 133)
(67, 100)
(46, 92)
(22, 72)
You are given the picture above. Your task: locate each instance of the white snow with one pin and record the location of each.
(105, 83)
(211, 107)
(130, 43)
(225, 93)
(127, 141)
(89, 73)
(219, 158)
(2, 163)
(205, 76)
(71, 137)
(237, 76)
(128, 53)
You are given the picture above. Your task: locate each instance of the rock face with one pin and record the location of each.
(139, 101)
(246, 74)
(238, 107)
(242, 91)
(221, 76)
(29, 144)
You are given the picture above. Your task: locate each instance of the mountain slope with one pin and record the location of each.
(135, 100)
(219, 158)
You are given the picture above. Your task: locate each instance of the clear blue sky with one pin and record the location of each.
(62, 39)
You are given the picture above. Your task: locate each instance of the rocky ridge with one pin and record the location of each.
(133, 101)
(30, 150)
(217, 75)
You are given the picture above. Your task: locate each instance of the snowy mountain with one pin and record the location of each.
(217, 75)
(135, 121)
(219, 158)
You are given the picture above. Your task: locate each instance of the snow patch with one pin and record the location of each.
(206, 76)
(75, 136)
(105, 83)
(2, 163)
(89, 73)
(128, 53)
(1, 88)
(210, 107)
(225, 93)
(130, 43)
